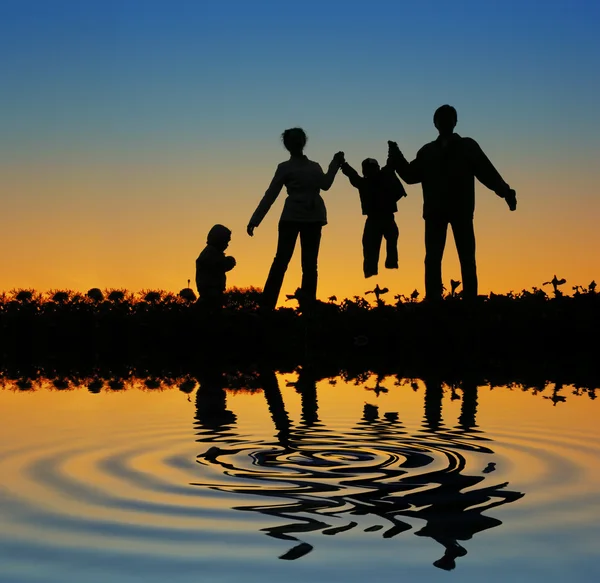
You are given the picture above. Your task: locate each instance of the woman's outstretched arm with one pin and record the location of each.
(268, 199)
(334, 166)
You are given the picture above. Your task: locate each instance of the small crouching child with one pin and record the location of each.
(379, 190)
(211, 266)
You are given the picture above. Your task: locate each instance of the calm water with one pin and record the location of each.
(297, 480)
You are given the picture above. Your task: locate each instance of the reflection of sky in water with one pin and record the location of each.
(343, 480)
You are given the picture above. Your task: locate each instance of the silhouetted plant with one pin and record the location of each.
(61, 384)
(24, 295)
(116, 384)
(243, 298)
(95, 294)
(400, 299)
(24, 384)
(378, 292)
(61, 297)
(187, 386)
(297, 295)
(116, 296)
(357, 303)
(95, 386)
(453, 287)
(187, 294)
(153, 297)
(555, 284)
(378, 388)
(153, 383)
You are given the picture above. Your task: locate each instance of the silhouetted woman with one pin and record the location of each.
(303, 214)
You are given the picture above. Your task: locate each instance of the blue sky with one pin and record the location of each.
(107, 74)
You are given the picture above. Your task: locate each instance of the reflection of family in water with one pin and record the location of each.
(378, 469)
(446, 168)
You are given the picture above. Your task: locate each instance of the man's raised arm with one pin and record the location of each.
(410, 172)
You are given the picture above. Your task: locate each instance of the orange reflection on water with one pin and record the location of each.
(137, 461)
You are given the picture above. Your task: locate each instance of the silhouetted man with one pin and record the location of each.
(447, 168)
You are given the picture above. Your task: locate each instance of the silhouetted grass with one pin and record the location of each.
(116, 325)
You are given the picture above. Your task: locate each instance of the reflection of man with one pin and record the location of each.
(451, 505)
(447, 168)
(453, 510)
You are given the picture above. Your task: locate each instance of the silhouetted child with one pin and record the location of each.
(380, 190)
(211, 266)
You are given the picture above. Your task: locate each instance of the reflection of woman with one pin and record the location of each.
(304, 214)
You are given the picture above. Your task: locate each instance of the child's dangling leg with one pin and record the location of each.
(390, 232)
(371, 242)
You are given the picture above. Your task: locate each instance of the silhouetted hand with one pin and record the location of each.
(250, 229)
(339, 158)
(394, 154)
(511, 199)
(393, 149)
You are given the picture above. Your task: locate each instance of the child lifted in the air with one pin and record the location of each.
(380, 190)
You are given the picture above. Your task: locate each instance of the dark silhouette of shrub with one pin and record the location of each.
(61, 297)
(242, 298)
(153, 297)
(24, 295)
(95, 294)
(116, 296)
(187, 294)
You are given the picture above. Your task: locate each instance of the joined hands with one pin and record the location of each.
(339, 158)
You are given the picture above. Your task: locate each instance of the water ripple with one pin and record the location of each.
(159, 491)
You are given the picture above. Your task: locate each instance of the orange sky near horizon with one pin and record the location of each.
(142, 226)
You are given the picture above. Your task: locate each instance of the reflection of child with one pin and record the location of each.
(212, 265)
(379, 190)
